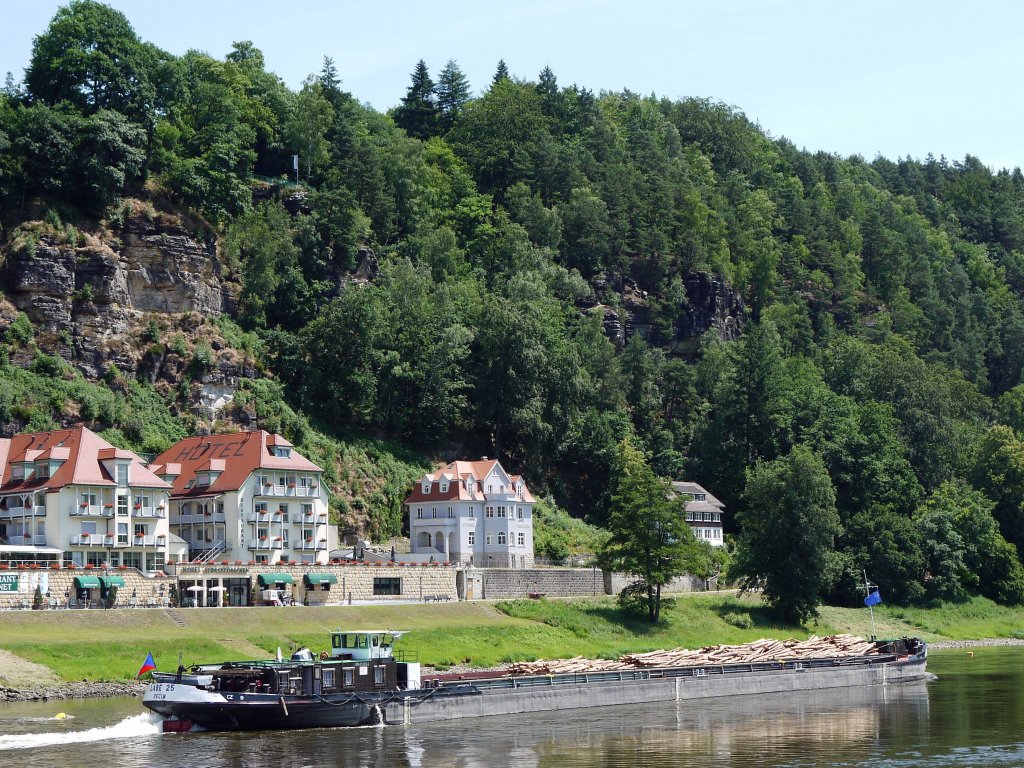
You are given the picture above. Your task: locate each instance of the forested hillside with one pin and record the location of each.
(509, 271)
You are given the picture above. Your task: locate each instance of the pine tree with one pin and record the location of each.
(419, 114)
(452, 93)
(501, 73)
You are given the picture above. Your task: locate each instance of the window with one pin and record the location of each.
(472, 512)
(122, 533)
(387, 585)
(689, 517)
(444, 487)
(489, 512)
(349, 676)
(42, 471)
(426, 487)
(501, 511)
(328, 678)
(141, 529)
(122, 506)
(522, 539)
(142, 501)
(282, 452)
(718, 533)
(419, 513)
(490, 539)
(501, 537)
(89, 528)
(282, 508)
(378, 675)
(88, 499)
(433, 511)
(472, 538)
(717, 517)
(519, 513)
(451, 512)
(699, 497)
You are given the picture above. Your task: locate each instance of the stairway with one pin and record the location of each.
(176, 618)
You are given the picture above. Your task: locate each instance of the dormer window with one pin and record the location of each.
(426, 486)
(699, 497)
(42, 471)
(444, 487)
(282, 452)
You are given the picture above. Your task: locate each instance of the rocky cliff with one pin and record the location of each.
(708, 305)
(89, 292)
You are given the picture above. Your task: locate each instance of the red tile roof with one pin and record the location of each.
(84, 451)
(235, 456)
(457, 473)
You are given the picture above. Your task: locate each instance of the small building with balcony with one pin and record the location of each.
(472, 513)
(247, 496)
(68, 495)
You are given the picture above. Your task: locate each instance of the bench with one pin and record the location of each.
(436, 598)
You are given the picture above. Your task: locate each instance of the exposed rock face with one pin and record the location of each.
(93, 294)
(710, 305)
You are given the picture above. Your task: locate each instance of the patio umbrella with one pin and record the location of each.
(195, 588)
(218, 589)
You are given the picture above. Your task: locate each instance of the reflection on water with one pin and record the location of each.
(969, 717)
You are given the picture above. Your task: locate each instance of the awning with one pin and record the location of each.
(312, 579)
(87, 582)
(111, 581)
(270, 579)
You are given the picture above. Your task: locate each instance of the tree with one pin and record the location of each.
(307, 127)
(649, 537)
(501, 73)
(91, 57)
(452, 94)
(419, 113)
(789, 528)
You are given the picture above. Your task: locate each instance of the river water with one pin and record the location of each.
(971, 715)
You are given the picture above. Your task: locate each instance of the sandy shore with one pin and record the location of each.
(988, 642)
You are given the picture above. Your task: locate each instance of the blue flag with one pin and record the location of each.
(873, 599)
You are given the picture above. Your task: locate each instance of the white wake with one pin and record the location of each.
(146, 724)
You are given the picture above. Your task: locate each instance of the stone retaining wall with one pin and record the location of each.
(500, 584)
(355, 583)
(614, 583)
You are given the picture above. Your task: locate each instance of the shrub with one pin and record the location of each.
(740, 620)
(20, 332)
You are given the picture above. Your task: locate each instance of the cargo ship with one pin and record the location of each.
(361, 680)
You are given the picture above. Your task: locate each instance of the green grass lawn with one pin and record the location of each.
(111, 645)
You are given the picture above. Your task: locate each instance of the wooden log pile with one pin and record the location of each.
(814, 647)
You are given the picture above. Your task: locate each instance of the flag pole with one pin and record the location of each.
(871, 607)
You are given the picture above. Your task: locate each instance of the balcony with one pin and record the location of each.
(289, 492)
(92, 510)
(313, 518)
(268, 545)
(148, 541)
(310, 545)
(92, 540)
(197, 518)
(155, 513)
(267, 517)
(39, 510)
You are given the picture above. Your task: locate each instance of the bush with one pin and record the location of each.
(20, 332)
(741, 620)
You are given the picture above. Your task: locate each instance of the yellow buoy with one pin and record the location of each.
(970, 654)
(60, 716)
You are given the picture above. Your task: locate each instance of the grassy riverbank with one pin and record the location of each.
(110, 645)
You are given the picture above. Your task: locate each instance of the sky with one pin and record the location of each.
(896, 78)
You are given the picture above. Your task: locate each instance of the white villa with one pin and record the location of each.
(247, 496)
(703, 513)
(473, 513)
(70, 496)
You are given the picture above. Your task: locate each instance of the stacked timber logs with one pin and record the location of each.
(814, 647)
